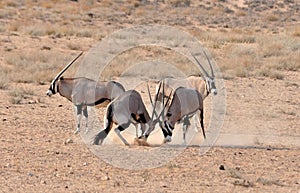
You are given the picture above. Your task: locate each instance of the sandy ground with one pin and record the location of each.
(257, 149)
(40, 152)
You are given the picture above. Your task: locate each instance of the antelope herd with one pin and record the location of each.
(184, 99)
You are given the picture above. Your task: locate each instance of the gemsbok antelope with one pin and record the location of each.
(84, 92)
(185, 103)
(204, 85)
(126, 109)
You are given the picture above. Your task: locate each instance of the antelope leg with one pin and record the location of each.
(86, 115)
(78, 110)
(186, 124)
(118, 132)
(197, 121)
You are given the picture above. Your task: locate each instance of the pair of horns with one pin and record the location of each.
(211, 69)
(156, 96)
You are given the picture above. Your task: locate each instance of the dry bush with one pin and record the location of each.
(3, 28)
(19, 94)
(288, 62)
(88, 33)
(4, 82)
(241, 13)
(272, 18)
(218, 39)
(34, 67)
(265, 55)
(39, 29)
(74, 46)
(268, 182)
(268, 72)
(45, 29)
(293, 30)
(6, 13)
(11, 3)
(241, 60)
(14, 26)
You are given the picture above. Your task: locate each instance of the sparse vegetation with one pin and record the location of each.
(34, 67)
(268, 182)
(267, 72)
(19, 94)
(248, 38)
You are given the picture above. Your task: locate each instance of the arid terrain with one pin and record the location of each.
(255, 44)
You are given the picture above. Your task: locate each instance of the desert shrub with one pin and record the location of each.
(18, 94)
(267, 72)
(272, 18)
(4, 82)
(35, 66)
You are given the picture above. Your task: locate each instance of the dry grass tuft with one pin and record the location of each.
(272, 18)
(267, 56)
(19, 94)
(267, 72)
(268, 182)
(74, 46)
(35, 67)
(4, 81)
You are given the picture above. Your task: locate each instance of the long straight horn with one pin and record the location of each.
(211, 69)
(65, 68)
(149, 95)
(200, 66)
(165, 105)
(163, 99)
(156, 96)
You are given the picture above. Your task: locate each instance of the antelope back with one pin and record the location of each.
(114, 89)
(186, 101)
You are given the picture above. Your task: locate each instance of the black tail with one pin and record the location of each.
(108, 125)
(202, 124)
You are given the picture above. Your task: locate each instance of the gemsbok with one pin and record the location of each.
(84, 92)
(204, 85)
(126, 109)
(185, 103)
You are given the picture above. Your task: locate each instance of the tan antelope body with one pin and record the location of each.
(203, 85)
(126, 109)
(84, 92)
(185, 103)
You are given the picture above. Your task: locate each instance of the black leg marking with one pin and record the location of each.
(79, 109)
(123, 126)
(85, 112)
(103, 134)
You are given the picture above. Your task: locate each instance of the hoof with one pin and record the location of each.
(167, 139)
(140, 142)
(77, 131)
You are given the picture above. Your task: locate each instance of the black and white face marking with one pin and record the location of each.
(211, 86)
(52, 89)
(167, 131)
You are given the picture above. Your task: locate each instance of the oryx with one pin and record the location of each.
(84, 92)
(204, 85)
(126, 109)
(185, 103)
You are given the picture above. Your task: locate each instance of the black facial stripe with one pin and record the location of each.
(167, 130)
